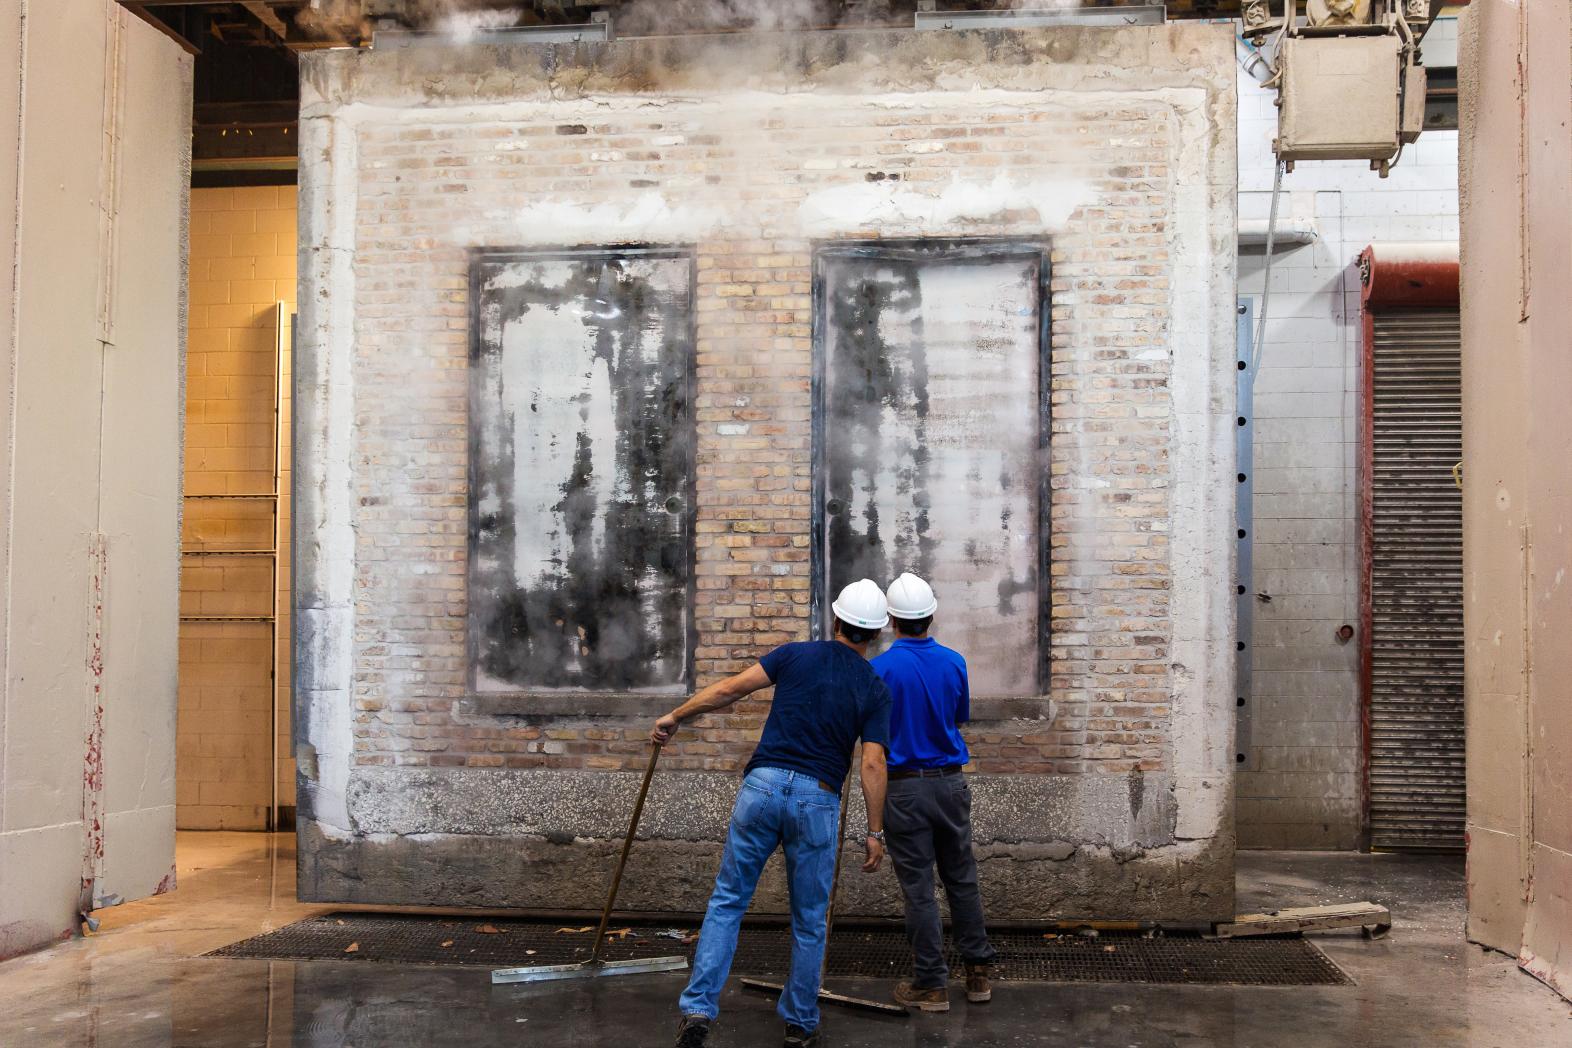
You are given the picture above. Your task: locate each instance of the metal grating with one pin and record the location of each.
(766, 950)
(1416, 586)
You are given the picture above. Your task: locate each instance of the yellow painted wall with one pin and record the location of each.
(242, 265)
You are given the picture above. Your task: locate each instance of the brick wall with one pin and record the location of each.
(1110, 407)
(1124, 188)
(242, 264)
(1300, 784)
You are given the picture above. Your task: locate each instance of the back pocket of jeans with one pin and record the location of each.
(818, 822)
(750, 800)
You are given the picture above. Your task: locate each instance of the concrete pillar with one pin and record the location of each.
(94, 168)
(1516, 178)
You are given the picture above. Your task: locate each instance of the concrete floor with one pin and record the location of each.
(140, 984)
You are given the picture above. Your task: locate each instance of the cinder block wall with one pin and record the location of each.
(1110, 794)
(242, 266)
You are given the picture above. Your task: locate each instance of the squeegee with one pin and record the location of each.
(597, 965)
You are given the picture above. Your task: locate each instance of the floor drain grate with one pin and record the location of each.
(766, 950)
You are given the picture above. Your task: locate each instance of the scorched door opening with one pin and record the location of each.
(930, 437)
(581, 471)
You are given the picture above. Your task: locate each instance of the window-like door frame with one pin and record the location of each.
(582, 701)
(979, 250)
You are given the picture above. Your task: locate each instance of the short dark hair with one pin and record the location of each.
(855, 634)
(912, 627)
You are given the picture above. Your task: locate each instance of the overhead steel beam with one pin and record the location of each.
(212, 3)
(268, 17)
(277, 16)
(584, 32)
(1027, 18)
(188, 45)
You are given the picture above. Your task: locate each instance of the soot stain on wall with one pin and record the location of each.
(581, 460)
(876, 315)
(931, 439)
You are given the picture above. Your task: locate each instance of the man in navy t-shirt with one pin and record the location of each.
(929, 809)
(826, 698)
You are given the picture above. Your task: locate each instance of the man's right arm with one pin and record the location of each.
(963, 702)
(715, 697)
(874, 782)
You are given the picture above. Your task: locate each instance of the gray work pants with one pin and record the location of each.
(928, 822)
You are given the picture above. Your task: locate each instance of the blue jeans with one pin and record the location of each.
(775, 809)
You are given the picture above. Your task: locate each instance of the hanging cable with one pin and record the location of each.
(1266, 275)
(1277, 187)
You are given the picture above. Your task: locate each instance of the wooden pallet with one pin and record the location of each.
(1374, 920)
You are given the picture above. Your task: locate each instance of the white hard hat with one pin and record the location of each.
(911, 598)
(862, 604)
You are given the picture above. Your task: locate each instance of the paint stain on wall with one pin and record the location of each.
(581, 460)
(931, 440)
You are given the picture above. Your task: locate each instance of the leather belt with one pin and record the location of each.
(826, 787)
(926, 773)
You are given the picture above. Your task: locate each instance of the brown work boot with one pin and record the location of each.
(693, 1031)
(978, 989)
(934, 1000)
(797, 1037)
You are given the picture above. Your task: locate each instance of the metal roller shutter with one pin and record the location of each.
(1416, 564)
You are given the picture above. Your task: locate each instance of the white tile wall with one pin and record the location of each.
(1300, 785)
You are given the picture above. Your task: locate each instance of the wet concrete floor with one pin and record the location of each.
(140, 982)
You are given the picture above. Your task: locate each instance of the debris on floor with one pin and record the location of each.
(1375, 921)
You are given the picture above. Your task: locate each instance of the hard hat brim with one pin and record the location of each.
(923, 614)
(857, 620)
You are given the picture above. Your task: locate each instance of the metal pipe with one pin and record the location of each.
(1404, 275)
(1252, 61)
(576, 33)
(1025, 18)
(272, 627)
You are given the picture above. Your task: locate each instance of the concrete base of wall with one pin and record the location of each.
(1049, 846)
(1188, 881)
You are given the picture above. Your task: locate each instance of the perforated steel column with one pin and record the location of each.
(1244, 522)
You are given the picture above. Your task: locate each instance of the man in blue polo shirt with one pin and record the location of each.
(826, 697)
(928, 809)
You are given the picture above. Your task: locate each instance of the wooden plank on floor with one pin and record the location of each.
(1309, 919)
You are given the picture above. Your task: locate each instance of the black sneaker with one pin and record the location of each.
(693, 1031)
(797, 1037)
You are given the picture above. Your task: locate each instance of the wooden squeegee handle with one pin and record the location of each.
(835, 881)
(622, 860)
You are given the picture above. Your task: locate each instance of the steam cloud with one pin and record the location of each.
(461, 26)
(462, 20)
(334, 18)
(651, 17)
(459, 19)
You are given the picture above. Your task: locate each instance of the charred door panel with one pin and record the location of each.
(581, 466)
(930, 439)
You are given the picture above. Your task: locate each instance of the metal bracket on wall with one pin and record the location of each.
(1244, 523)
